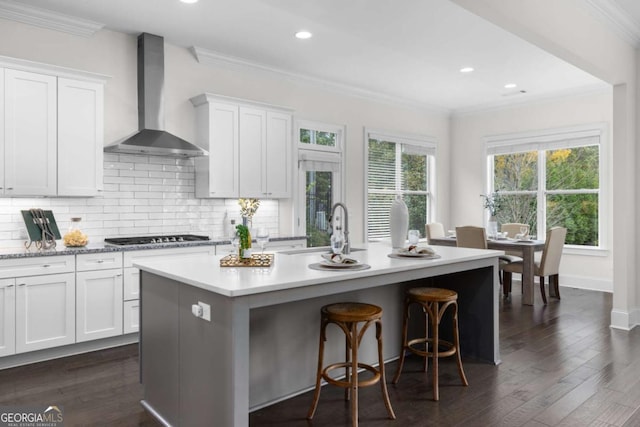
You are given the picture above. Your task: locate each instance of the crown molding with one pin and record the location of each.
(617, 19)
(208, 57)
(44, 18)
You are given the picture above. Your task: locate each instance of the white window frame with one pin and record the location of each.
(427, 144)
(551, 139)
(321, 154)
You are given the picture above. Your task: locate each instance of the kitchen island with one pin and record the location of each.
(260, 345)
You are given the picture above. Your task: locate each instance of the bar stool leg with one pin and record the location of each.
(316, 394)
(347, 355)
(456, 343)
(354, 373)
(404, 342)
(425, 360)
(383, 381)
(434, 314)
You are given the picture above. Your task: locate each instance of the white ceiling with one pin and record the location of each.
(409, 50)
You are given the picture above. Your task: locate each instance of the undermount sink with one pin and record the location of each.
(314, 250)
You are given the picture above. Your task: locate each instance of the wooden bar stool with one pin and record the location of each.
(348, 316)
(434, 303)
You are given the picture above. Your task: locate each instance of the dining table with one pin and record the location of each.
(527, 248)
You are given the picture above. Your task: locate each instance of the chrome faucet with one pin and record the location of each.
(347, 245)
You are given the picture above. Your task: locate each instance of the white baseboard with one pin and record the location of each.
(625, 320)
(587, 283)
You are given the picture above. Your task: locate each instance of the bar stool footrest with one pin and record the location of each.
(346, 384)
(450, 348)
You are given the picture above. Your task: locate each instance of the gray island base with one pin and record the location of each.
(261, 343)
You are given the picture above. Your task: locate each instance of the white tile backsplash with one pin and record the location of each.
(142, 195)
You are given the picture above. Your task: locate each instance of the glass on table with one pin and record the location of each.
(414, 237)
(262, 238)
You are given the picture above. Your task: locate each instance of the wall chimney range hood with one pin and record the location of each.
(151, 138)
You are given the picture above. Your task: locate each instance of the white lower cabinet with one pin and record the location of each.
(7, 317)
(98, 304)
(131, 316)
(45, 311)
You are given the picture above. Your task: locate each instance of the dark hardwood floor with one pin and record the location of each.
(561, 366)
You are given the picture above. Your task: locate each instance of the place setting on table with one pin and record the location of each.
(336, 260)
(413, 249)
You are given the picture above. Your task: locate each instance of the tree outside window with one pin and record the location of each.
(396, 169)
(563, 182)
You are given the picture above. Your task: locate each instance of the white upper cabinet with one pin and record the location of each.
(51, 130)
(80, 137)
(217, 131)
(277, 156)
(249, 146)
(30, 134)
(253, 134)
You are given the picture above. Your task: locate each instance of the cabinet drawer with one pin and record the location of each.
(99, 261)
(170, 253)
(131, 316)
(131, 284)
(35, 266)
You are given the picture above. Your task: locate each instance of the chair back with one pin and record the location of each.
(513, 228)
(552, 252)
(434, 230)
(471, 237)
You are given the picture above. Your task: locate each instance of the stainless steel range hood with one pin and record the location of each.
(152, 139)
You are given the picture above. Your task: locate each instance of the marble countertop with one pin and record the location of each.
(292, 271)
(16, 249)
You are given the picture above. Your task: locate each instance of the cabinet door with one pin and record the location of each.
(30, 134)
(7, 317)
(217, 174)
(98, 304)
(252, 144)
(80, 137)
(45, 311)
(278, 174)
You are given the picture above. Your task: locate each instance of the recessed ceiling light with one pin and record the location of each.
(189, 1)
(303, 35)
(466, 69)
(510, 86)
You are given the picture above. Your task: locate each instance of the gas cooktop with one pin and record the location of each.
(147, 240)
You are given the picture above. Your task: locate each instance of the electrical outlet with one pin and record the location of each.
(206, 311)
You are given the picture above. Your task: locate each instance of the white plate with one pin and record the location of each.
(337, 264)
(525, 241)
(414, 255)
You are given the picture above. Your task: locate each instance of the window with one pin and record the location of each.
(398, 166)
(549, 180)
(319, 178)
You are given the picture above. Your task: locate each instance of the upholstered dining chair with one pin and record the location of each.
(470, 236)
(513, 228)
(434, 230)
(548, 265)
(476, 237)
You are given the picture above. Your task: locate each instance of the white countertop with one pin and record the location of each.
(292, 271)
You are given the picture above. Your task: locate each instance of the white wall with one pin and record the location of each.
(114, 54)
(468, 172)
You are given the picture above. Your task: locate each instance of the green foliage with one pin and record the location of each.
(566, 169)
(244, 236)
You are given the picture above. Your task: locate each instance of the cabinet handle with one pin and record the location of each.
(46, 265)
(9, 286)
(22, 284)
(119, 274)
(9, 188)
(99, 261)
